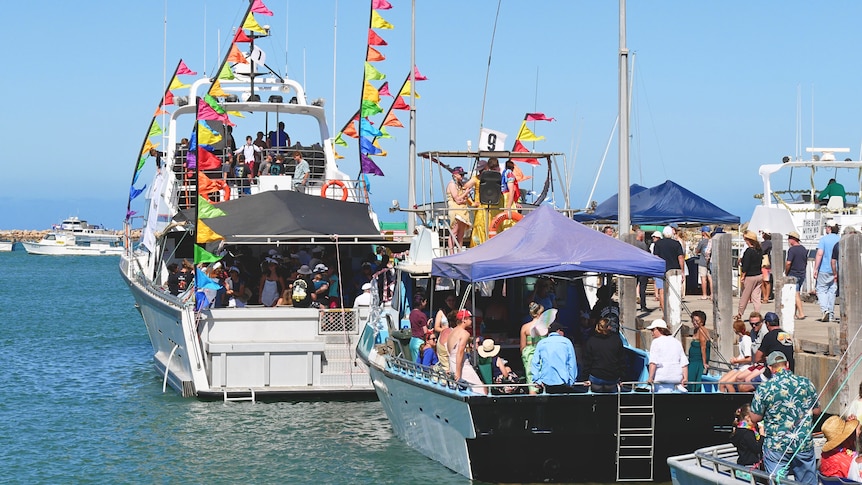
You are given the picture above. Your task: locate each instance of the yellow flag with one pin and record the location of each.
(205, 234)
(405, 91)
(177, 84)
(236, 113)
(206, 136)
(377, 22)
(147, 146)
(216, 90)
(337, 156)
(370, 93)
(252, 25)
(382, 151)
(524, 134)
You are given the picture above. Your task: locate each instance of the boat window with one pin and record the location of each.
(50, 237)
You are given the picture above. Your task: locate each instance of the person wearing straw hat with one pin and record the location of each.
(492, 367)
(750, 265)
(838, 451)
(795, 266)
(787, 404)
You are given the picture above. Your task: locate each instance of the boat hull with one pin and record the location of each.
(6, 246)
(54, 249)
(522, 438)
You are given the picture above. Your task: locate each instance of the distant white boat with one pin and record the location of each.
(6, 246)
(75, 237)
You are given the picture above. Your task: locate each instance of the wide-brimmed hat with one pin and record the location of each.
(657, 234)
(836, 431)
(488, 348)
(304, 269)
(750, 235)
(321, 268)
(657, 323)
(793, 234)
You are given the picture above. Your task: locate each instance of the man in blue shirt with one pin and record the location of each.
(826, 284)
(554, 366)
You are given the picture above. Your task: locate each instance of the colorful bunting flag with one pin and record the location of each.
(400, 104)
(183, 69)
(350, 131)
(367, 147)
(155, 129)
(392, 120)
(367, 165)
(384, 133)
(236, 56)
(380, 5)
(209, 161)
(405, 91)
(205, 234)
(236, 113)
(160, 111)
(207, 210)
(177, 84)
(213, 103)
(524, 134)
(206, 136)
(370, 108)
(372, 74)
(418, 75)
(339, 140)
(366, 129)
(519, 175)
(141, 161)
(133, 192)
(383, 152)
(370, 93)
(226, 73)
(252, 25)
(216, 90)
(384, 90)
(259, 7)
(374, 55)
(537, 117)
(520, 148)
(374, 39)
(378, 22)
(169, 99)
(148, 145)
(337, 156)
(240, 37)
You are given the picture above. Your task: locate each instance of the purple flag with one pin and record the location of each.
(368, 166)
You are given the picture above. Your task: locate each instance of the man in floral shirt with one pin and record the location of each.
(786, 403)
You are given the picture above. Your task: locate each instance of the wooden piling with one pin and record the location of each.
(850, 304)
(721, 264)
(628, 299)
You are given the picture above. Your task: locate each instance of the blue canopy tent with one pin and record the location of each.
(662, 204)
(546, 241)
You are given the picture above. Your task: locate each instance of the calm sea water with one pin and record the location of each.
(81, 403)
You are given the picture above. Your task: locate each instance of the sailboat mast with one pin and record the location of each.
(411, 176)
(624, 209)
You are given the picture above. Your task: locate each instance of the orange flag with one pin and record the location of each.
(392, 120)
(351, 130)
(216, 90)
(160, 111)
(235, 55)
(374, 55)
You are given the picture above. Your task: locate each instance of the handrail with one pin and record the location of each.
(753, 477)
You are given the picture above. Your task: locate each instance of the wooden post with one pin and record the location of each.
(628, 298)
(673, 301)
(788, 303)
(777, 259)
(850, 303)
(721, 264)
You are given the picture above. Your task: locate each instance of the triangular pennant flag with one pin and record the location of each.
(183, 69)
(370, 108)
(177, 84)
(206, 209)
(252, 25)
(226, 73)
(205, 234)
(380, 5)
(537, 117)
(129, 214)
(213, 103)
(378, 22)
(374, 55)
(520, 148)
(405, 91)
(367, 129)
(418, 75)
(236, 113)
(259, 7)
(155, 129)
(206, 112)
(169, 99)
(337, 156)
(367, 147)
(392, 120)
(209, 161)
(133, 192)
(383, 152)
(206, 136)
(384, 133)
(524, 134)
(384, 90)
(216, 90)
(374, 39)
(148, 145)
(340, 141)
(350, 130)
(373, 74)
(370, 93)
(141, 161)
(241, 37)
(202, 281)
(519, 175)
(400, 104)
(367, 165)
(160, 111)
(236, 56)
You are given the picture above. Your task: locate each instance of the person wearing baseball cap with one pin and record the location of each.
(456, 345)
(703, 252)
(554, 366)
(797, 261)
(787, 404)
(668, 364)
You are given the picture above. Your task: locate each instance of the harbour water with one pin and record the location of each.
(81, 402)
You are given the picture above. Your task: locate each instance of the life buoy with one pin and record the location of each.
(497, 223)
(334, 182)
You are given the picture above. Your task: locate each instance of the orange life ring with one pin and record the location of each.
(334, 182)
(497, 223)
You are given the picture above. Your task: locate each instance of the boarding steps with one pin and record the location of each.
(241, 396)
(635, 436)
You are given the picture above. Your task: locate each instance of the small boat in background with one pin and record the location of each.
(75, 237)
(6, 246)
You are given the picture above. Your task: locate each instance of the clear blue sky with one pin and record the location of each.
(716, 87)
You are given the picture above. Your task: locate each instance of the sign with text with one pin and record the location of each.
(492, 141)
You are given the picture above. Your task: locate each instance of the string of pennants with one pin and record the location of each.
(367, 134)
(490, 140)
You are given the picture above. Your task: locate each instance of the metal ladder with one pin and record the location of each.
(228, 398)
(635, 436)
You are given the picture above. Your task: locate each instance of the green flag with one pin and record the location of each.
(155, 129)
(226, 73)
(372, 74)
(370, 108)
(204, 256)
(340, 141)
(213, 104)
(207, 210)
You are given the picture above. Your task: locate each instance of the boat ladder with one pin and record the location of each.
(239, 397)
(635, 436)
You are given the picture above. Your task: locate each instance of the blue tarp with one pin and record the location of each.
(546, 241)
(660, 205)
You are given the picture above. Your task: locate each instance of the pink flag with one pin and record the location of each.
(418, 75)
(205, 112)
(259, 7)
(400, 104)
(384, 90)
(184, 69)
(380, 5)
(537, 117)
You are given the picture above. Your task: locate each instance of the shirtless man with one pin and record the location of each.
(456, 344)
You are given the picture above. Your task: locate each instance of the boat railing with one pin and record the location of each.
(719, 458)
(338, 321)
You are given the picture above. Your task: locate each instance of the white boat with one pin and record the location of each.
(253, 352)
(716, 465)
(75, 237)
(6, 246)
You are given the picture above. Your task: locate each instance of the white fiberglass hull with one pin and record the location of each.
(6, 246)
(55, 249)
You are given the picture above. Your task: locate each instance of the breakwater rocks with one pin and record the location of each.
(30, 235)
